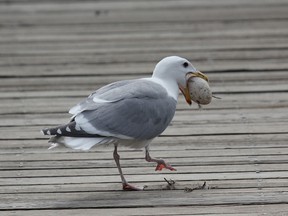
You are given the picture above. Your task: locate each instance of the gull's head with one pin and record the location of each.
(177, 70)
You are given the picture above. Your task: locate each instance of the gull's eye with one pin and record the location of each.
(185, 64)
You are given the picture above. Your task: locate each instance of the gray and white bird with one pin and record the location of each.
(129, 113)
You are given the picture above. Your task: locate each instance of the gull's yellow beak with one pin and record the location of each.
(196, 74)
(186, 93)
(185, 90)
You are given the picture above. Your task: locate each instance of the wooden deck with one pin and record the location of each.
(54, 53)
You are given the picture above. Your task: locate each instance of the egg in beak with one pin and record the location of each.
(185, 89)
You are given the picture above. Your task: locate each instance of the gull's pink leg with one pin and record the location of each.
(125, 184)
(160, 162)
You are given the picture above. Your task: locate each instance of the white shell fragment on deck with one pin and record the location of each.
(199, 90)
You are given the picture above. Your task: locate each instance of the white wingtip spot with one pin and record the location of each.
(42, 132)
(68, 129)
(77, 127)
(53, 145)
(48, 132)
(59, 131)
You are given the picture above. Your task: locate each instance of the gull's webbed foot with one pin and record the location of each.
(129, 187)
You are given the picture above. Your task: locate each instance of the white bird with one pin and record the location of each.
(130, 112)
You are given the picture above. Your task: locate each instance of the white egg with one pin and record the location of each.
(199, 90)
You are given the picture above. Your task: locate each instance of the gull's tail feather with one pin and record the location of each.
(71, 129)
(79, 143)
(72, 136)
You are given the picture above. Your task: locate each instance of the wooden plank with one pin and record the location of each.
(82, 93)
(277, 210)
(74, 83)
(142, 69)
(47, 34)
(85, 48)
(246, 141)
(174, 130)
(182, 117)
(173, 15)
(185, 153)
(141, 179)
(140, 162)
(26, 173)
(240, 210)
(269, 183)
(119, 199)
(127, 57)
(135, 158)
(36, 104)
(137, 4)
(54, 54)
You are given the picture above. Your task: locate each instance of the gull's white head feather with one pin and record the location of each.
(171, 73)
(173, 68)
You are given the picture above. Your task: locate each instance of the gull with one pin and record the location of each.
(128, 113)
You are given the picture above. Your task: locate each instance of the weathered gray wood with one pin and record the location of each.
(243, 210)
(182, 152)
(100, 163)
(124, 58)
(192, 117)
(237, 141)
(50, 173)
(37, 105)
(142, 178)
(160, 184)
(175, 14)
(53, 54)
(174, 130)
(216, 79)
(277, 210)
(120, 199)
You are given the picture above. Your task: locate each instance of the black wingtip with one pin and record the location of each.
(45, 131)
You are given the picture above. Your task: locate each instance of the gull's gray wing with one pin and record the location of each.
(138, 109)
(108, 93)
